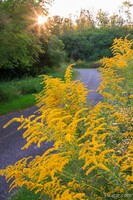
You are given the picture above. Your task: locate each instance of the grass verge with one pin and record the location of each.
(21, 102)
(18, 94)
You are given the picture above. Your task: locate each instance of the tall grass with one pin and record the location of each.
(29, 85)
(14, 89)
(18, 94)
(17, 104)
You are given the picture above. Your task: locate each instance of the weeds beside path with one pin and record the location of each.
(11, 139)
(18, 94)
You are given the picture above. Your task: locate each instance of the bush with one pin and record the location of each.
(84, 64)
(29, 85)
(13, 89)
(54, 55)
(8, 92)
(56, 51)
(91, 157)
(92, 44)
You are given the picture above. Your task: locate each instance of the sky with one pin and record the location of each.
(65, 7)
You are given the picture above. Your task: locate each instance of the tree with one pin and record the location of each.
(102, 19)
(20, 45)
(92, 44)
(126, 6)
(85, 20)
(55, 24)
(116, 21)
(54, 52)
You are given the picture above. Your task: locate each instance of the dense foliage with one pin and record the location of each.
(92, 44)
(28, 47)
(89, 37)
(54, 53)
(92, 155)
(19, 46)
(24, 41)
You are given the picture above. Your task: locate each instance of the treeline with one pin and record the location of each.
(93, 44)
(29, 48)
(89, 37)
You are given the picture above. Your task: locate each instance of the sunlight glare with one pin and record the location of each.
(41, 19)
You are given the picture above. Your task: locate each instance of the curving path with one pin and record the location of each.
(91, 79)
(11, 139)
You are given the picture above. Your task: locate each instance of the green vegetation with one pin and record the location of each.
(85, 64)
(12, 89)
(28, 48)
(92, 44)
(18, 104)
(15, 88)
(18, 94)
(91, 157)
(24, 194)
(127, 85)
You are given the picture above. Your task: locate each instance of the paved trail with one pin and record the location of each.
(11, 139)
(91, 79)
(11, 142)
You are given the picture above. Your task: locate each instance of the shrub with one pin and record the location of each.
(8, 92)
(13, 89)
(29, 85)
(92, 153)
(83, 64)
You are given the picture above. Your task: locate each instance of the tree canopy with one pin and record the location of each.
(27, 46)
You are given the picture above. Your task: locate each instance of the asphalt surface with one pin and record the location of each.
(11, 139)
(11, 142)
(91, 78)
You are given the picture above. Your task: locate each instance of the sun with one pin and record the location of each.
(41, 19)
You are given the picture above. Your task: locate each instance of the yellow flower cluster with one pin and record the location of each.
(92, 152)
